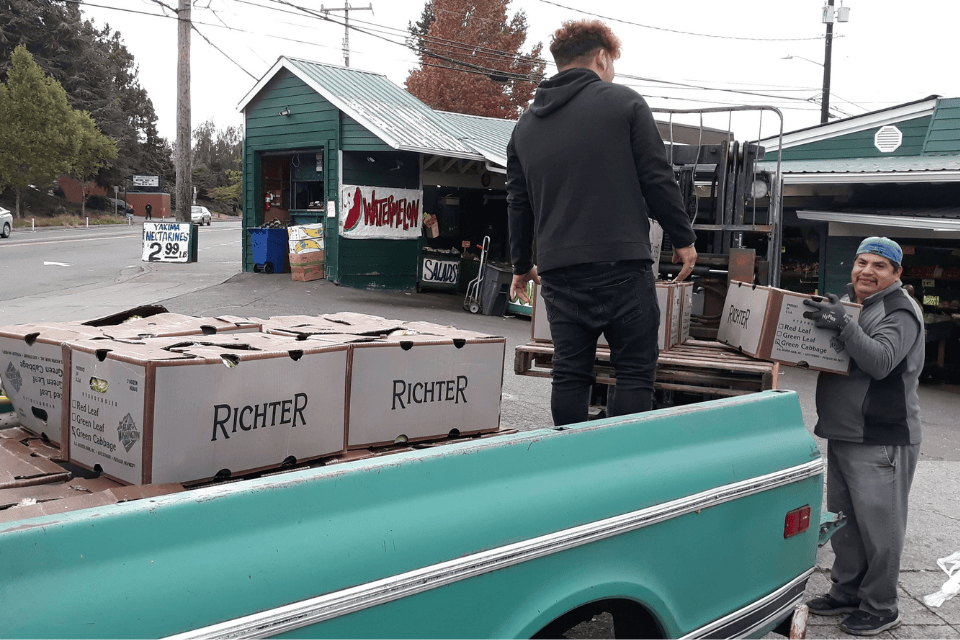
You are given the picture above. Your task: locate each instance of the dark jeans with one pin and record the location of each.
(619, 301)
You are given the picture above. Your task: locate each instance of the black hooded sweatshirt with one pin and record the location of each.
(580, 164)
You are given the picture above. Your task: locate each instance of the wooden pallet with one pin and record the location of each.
(696, 366)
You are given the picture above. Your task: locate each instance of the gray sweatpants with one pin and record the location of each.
(870, 484)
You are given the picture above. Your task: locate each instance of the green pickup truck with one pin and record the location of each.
(695, 521)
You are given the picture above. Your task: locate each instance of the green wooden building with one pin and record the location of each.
(313, 131)
(893, 172)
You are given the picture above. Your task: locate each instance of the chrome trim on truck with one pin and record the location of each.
(339, 603)
(743, 622)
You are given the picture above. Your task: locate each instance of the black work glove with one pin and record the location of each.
(830, 312)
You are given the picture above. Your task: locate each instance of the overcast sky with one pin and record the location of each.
(882, 57)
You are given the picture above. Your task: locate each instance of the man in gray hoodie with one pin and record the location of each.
(871, 420)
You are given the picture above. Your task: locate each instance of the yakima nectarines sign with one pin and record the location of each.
(378, 212)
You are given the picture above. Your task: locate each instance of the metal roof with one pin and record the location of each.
(488, 136)
(392, 114)
(867, 170)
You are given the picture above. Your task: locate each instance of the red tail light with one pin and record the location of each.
(797, 521)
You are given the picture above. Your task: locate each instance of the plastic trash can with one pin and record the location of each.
(495, 289)
(269, 250)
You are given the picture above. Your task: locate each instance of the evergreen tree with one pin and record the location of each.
(39, 133)
(215, 153)
(98, 74)
(422, 27)
(471, 60)
(95, 149)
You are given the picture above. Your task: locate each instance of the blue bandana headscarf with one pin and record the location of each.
(882, 247)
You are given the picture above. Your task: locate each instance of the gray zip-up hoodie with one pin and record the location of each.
(877, 403)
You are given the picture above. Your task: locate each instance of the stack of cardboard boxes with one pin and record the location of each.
(156, 402)
(306, 252)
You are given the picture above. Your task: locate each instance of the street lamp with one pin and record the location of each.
(789, 57)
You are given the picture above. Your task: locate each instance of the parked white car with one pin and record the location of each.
(6, 223)
(200, 215)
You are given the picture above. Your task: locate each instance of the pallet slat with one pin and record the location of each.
(696, 366)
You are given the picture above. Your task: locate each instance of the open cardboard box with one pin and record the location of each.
(345, 322)
(31, 358)
(768, 323)
(184, 409)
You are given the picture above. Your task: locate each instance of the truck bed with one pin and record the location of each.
(491, 537)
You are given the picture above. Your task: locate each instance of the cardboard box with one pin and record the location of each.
(20, 468)
(165, 325)
(307, 274)
(31, 358)
(307, 266)
(346, 322)
(309, 259)
(423, 382)
(306, 232)
(668, 298)
(686, 309)
(305, 246)
(31, 365)
(670, 316)
(768, 323)
(74, 495)
(169, 410)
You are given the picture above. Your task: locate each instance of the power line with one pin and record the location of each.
(469, 67)
(677, 31)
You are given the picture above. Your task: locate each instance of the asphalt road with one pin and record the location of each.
(76, 273)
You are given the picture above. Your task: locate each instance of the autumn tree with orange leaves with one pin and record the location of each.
(471, 60)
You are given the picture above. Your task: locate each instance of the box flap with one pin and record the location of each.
(20, 468)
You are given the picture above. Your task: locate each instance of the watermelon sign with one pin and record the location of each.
(379, 212)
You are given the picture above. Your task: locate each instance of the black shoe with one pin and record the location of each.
(861, 623)
(827, 605)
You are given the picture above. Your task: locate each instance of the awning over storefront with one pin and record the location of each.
(899, 169)
(937, 218)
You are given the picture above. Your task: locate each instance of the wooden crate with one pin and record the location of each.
(695, 366)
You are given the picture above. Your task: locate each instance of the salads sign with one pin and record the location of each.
(166, 242)
(379, 212)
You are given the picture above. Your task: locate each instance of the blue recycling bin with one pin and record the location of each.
(269, 250)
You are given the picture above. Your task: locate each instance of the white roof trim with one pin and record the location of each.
(937, 224)
(867, 121)
(872, 177)
(283, 63)
(441, 152)
(264, 79)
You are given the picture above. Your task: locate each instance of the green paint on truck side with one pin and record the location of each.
(175, 563)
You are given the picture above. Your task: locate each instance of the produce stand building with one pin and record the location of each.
(315, 133)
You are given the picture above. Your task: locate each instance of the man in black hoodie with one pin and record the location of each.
(581, 162)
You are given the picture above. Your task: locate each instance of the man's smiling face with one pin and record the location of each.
(872, 273)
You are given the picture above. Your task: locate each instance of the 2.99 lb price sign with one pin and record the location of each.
(166, 242)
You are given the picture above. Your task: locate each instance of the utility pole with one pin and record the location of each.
(346, 8)
(828, 47)
(183, 158)
(842, 15)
